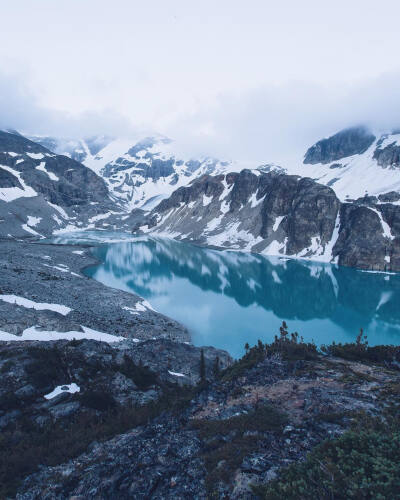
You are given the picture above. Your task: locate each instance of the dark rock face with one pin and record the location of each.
(307, 210)
(361, 242)
(76, 184)
(279, 214)
(389, 197)
(310, 210)
(7, 179)
(51, 191)
(348, 142)
(206, 185)
(388, 156)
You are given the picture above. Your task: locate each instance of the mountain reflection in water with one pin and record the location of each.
(229, 298)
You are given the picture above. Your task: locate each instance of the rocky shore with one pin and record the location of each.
(51, 274)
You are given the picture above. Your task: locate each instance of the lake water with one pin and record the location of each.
(228, 298)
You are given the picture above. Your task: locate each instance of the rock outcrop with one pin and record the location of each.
(238, 431)
(352, 141)
(41, 192)
(278, 214)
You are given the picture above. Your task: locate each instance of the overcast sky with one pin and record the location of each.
(254, 79)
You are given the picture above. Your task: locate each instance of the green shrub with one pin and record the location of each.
(358, 465)
(361, 351)
(290, 347)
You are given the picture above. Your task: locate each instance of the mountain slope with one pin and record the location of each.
(139, 172)
(278, 214)
(41, 192)
(355, 163)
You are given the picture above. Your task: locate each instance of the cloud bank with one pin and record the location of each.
(270, 123)
(20, 110)
(278, 123)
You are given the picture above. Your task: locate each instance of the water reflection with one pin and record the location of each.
(229, 298)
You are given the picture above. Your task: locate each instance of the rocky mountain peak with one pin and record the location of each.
(348, 142)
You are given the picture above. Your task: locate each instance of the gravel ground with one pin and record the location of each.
(48, 273)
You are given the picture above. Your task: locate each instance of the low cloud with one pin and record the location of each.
(21, 111)
(279, 123)
(264, 124)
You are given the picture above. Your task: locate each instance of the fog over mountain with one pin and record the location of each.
(262, 83)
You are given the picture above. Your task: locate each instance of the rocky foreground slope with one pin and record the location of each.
(278, 214)
(132, 433)
(43, 294)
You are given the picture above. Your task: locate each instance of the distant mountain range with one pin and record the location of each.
(341, 204)
(138, 172)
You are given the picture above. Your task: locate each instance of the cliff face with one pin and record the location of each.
(42, 192)
(277, 214)
(355, 140)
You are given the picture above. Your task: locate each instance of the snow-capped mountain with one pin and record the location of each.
(284, 215)
(141, 172)
(42, 192)
(355, 163)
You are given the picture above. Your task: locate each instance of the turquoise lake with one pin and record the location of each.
(228, 298)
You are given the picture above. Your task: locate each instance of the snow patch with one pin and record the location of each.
(71, 388)
(39, 306)
(42, 168)
(33, 333)
(277, 222)
(13, 193)
(176, 374)
(36, 156)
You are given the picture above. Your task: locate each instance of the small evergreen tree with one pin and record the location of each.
(202, 367)
(216, 366)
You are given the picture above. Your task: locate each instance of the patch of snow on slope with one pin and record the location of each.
(42, 168)
(71, 388)
(253, 200)
(327, 255)
(98, 217)
(385, 226)
(358, 175)
(60, 210)
(39, 306)
(13, 193)
(33, 221)
(275, 248)
(140, 306)
(176, 374)
(33, 333)
(28, 229)
(277, 222)
(36, 156)
(207, 200)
